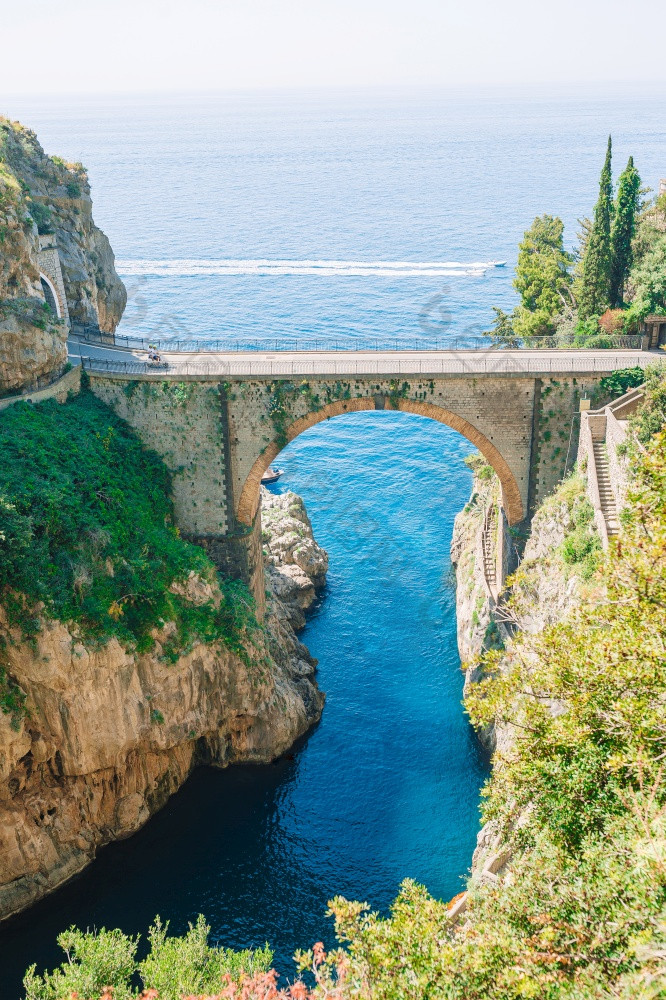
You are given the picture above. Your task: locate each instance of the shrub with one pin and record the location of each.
(174, 966)
(624, 378)
(177, 966)
(42, 216)
(94, 961)
(612, 321)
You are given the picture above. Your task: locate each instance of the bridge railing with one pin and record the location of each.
(229, 345)
(451, 364)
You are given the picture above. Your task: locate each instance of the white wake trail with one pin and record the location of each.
(189, 267)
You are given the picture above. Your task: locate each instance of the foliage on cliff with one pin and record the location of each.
(86, 528)
(579, 796)
(606, 288)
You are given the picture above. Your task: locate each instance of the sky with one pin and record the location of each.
(162, 46)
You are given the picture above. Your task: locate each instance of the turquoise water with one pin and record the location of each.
(387, 785)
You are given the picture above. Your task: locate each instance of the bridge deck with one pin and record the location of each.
(251, 364)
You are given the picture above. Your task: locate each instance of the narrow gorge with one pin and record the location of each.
(135, 649)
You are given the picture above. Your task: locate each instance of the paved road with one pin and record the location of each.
(384, 363)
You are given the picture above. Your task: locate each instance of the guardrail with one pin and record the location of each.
(445, 364)
(229, 345)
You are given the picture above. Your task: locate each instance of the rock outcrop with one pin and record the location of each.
(40, 194)
(111, 734)
(295, 564)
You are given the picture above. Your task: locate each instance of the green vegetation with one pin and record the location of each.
(623, 232)
(606, 288)
(481, 469)
(651, 417)
(595, 285)
(581, 547)
(42, 216)
(620, 381)
(12, 700)
(174, 966)
(648, 277)
(542, 278)
(86, 528)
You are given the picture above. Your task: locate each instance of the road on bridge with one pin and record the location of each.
(250, 364)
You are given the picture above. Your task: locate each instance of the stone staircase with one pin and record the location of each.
(606, 495)
(489, 554)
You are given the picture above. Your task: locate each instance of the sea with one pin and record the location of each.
(370, 218)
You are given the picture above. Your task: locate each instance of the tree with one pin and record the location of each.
(648, 279)
(543, 278)
(596, 265)
(502, 333)
(623, 230)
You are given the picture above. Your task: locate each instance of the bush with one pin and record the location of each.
(612, 321)
(42, 216)
(94, 961)
(620, 381)
(182, 965)
(174, 966)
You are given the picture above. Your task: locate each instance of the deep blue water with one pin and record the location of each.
(387, 786)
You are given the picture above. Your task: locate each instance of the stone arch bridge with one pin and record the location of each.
(219, 421)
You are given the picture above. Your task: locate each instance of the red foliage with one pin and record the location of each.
(612, 321)
(329, 973)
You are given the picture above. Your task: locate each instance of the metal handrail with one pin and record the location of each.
(448, 363)
(236, 346)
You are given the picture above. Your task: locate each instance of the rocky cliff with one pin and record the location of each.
(550, 578)
(40, 194)
(553, 576)
(111, 734)
(473, 598)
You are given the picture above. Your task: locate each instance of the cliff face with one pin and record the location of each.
(42, 194)
(549, 581)
(112, 734)
(473, 598)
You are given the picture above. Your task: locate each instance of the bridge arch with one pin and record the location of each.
(51, 294)
(248, 502)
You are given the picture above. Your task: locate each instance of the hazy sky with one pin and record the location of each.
(174, 45)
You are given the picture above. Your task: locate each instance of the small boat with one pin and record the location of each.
(271, 475)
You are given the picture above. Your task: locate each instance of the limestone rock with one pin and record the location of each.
(112, 734)
(296, 565)
(40, 194)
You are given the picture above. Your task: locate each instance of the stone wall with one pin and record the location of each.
(59, 389)
(49, 265)
(182, 422)
(609, 426)
(555, 434)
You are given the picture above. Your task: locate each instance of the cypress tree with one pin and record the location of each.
(622, 231)
(596, 270)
